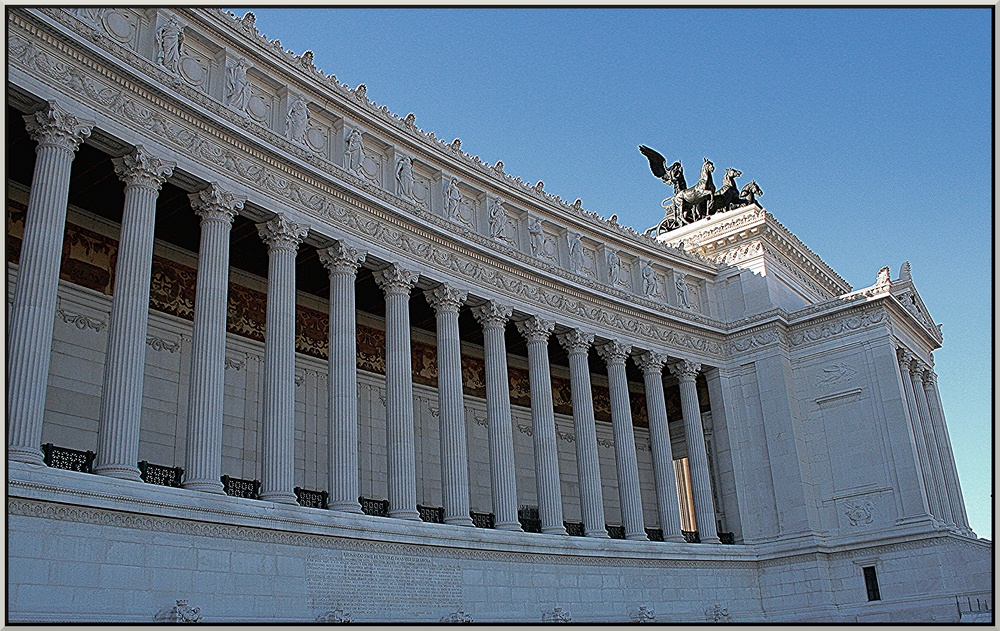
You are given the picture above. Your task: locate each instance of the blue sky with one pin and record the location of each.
(869, 131)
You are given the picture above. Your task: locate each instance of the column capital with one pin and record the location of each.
(492, 314)
(143, 169)
(905, 357)
(685, 370)
(575, 341)
(650, 362)
(536, 329)
(342, 258)
(917, 369)
(445, 298)
(53, 126)
(281, 233)
(930, 377)
(614, 352)
(395, 280)
(216, 204)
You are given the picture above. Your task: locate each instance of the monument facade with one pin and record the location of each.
(276, 354)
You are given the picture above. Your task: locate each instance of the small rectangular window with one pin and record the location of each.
(871, 583)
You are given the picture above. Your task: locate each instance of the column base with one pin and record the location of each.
(674, 539)
(597, 534)
(205, 486)
(459, 521)
(409, 515)
(554, 530)
(119, 471)
(509, 526)
(711, 540)
(279, 497)
(27, 456)
(639, 536)
(347, 507)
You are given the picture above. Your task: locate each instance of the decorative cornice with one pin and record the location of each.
(837, 326)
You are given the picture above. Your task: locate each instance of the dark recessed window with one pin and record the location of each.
(871, 583)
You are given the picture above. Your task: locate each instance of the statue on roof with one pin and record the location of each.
(689, 204)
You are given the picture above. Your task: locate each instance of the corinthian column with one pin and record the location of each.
(934, 458)
(651, 364)
(577, 343)
(905, 358)
(121, 405)
(203, 462)
(615, 353)
(536, 332)
(342, 261)
(701, 481)
(277, 479)
(951, 483)
(29, 332)
(397, 282)
(493, 316)
(446, 301)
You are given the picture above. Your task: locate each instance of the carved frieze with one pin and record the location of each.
(835, 327)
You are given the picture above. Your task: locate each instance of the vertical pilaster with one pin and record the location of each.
(203, 462)
(701, 480)
(615, 354)
(536, 332)
(651, 364)
(29, 332)
(934, 458)
(446, 301)
(282, 237)
(906, 358)
(342, 262)
(952, 486)
(577, 344)
(401, 467)
(121, 403)
(493, 316)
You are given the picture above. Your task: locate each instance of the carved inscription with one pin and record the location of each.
(369, 582)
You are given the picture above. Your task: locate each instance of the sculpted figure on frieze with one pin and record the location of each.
(498, 220)
(682, 291)
(297, 121)
(169, 39)
(575, 245)
(453, 200)
(649, 288)
(614, 267)
(535, 236)
(404, 177)
(238, 88)
(355, 153)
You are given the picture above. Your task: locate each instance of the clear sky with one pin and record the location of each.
(869, 131)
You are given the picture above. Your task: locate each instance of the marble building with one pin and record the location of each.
(276, 354)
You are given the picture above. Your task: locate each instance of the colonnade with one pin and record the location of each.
(59, 134)
(930, 434)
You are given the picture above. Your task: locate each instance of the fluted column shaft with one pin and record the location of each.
(937, 470)
(951, 482)
(203, 459)
(446, 301)
(342, 262)
(121, 404)
(277, 481)
(651, 365)
(29, 331)
(493, 316)
(615, 354)
(905, 359)
(577, 344)
(701, 479)
(536, 332)
(401, 465)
